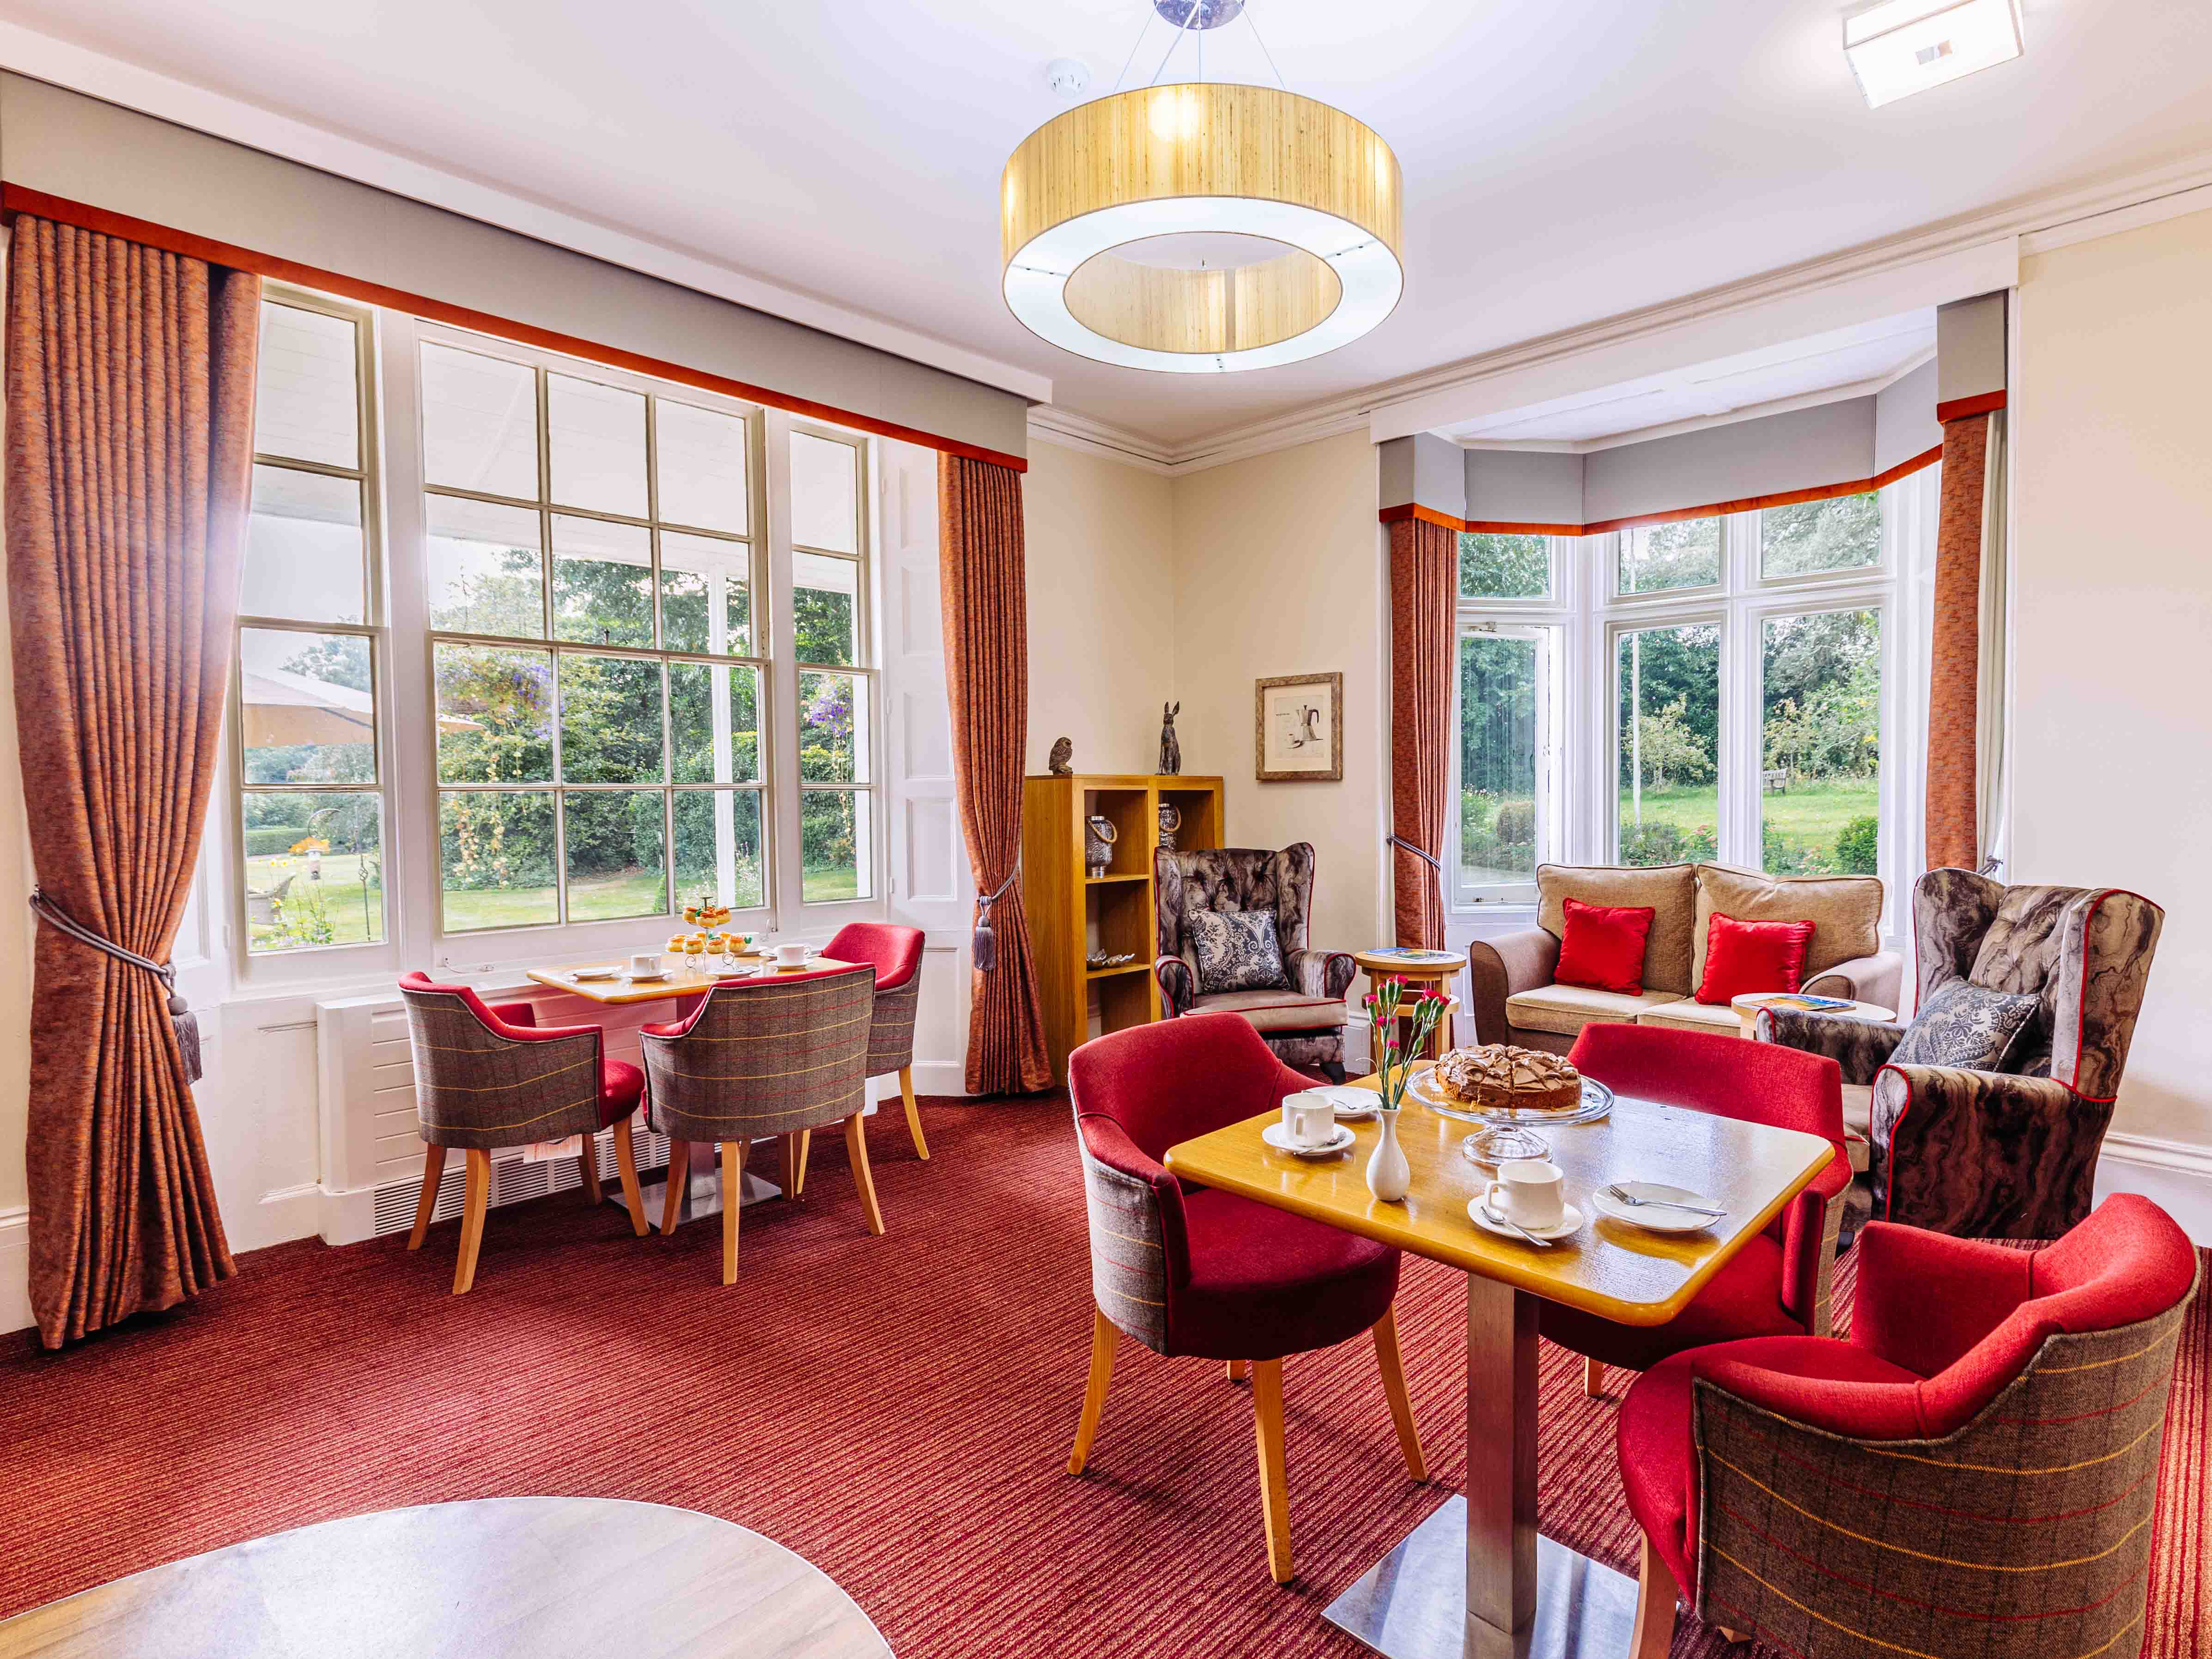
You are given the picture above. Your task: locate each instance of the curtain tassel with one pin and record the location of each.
(987, 942)
(187, 1023)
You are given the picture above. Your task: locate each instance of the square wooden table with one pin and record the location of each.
(1473, 1581)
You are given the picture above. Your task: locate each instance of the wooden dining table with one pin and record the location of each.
(1474, 1581)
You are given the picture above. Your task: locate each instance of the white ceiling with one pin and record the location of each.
(1563, 161)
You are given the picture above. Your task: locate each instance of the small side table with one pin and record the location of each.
(1747, 1006)
(1424, 971)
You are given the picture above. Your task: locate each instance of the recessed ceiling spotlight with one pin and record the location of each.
(1903, 47)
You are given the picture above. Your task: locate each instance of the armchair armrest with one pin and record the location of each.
(1859, 1411)
(1177, 986)
(1923, 1300)
(1861, 1047)
(1502, 967)
(1139, 1249)
(1984, 1154)
(1813, 1221)
(1879, 979)
(1320, 973)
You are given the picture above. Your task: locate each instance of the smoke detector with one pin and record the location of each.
(1070, 77)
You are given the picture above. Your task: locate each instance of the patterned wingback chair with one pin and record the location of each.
(2009, 1154)
(895, 954)
(782, 1054)
(491, 1077)
(1303, 1015)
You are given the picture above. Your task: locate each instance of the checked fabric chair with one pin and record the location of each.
(895, 954)
(490, 1077)
(1973, 1473)
(1191, 1272)
(781, 1054)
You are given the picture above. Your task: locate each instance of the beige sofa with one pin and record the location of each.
(1515, 999)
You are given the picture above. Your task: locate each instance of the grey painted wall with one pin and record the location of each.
(1970, 348)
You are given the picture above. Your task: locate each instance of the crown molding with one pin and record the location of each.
(116, 82)
(1069, 430)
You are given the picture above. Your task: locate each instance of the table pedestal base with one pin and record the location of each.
(1412, 1604)
(702, 1195)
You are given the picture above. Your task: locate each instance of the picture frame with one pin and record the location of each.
(1297, 729)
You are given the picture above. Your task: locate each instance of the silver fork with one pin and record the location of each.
(1617, 1196)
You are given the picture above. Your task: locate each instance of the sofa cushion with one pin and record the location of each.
(1275, 1011)
(1603, 947)
(1237, 950)
(1742, 957)
(1669, 890)
(1846, 911)
(1690, 1015)
(1566, 1009)
(1966, 1026)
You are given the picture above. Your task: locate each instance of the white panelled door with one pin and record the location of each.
(931, 885)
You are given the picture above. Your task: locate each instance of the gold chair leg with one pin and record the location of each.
(1274, 1496)
(1238, 1369)
(1104, 1338)
(679, 1175)
(913, 1116)
(626, 1168)
(799, 1179)
(433, 1170)
(1593, 1379)
(472, 1218)
(856, 1143)
(1388, 1361)
(1653, 1630)
(732, 1176)
(587, 1166)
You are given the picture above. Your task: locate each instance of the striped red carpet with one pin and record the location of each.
(897, 1410)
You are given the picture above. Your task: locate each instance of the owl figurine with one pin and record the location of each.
(1061, 749)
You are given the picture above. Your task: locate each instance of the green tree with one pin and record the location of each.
(1673, 751)
(1494, 567)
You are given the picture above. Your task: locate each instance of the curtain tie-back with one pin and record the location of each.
(1425, 858)
(186, 1022)
(987, 942)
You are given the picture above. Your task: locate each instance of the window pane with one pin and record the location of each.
(306, 405)
(597, 445)
(315, 871)
(701, 457)
(714, 720)
(1504, 566)
(1819, 803)
(706, 604)
(1654, 557)
(1499, 689)
(616, 861)
(718, 846)
(308, 712)
(824, 605)
(495, 859)
(1668, 736)
(303, 548)
(486, 576)
(833, 846)
(825, 494)
(602, 581)
(495, 714)
(833, 729)
(479, 423)
(1843, 534)
(610, 720)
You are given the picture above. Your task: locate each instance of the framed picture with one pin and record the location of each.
(1298, 728)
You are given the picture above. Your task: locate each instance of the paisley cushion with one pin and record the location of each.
(1966, 1026)
(1236, 950)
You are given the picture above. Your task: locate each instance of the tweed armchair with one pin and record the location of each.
(895, 954)
(2008, 1154)
(491, 1077)
(1302, 1019)
(782, 1054)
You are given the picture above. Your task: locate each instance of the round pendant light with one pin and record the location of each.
(1202, 228)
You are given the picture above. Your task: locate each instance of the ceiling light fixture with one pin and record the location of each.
(1903, 47)
(1202, 228)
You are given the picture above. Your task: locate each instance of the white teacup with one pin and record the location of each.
(791, 955)
(1307, 1119)
(645, 963)
(1529, 1192)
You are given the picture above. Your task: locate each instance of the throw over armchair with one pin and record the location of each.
(2010, 1153)
(1302, 1013)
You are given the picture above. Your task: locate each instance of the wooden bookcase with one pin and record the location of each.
(1071, 913)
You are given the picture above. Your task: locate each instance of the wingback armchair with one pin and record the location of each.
(1301, 1015)
(2010, 1153)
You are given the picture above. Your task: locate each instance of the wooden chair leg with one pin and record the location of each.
(856, 1143)
(1593, 1379)
(1654, 1631)
(626, 1168)
(1387, 1361)
(587, 1166)
(433, 1170)
(913, 1116)
(732, 1176)
(799, 1179)
(1734, 1636)
(472, 1218)
(789, 1146)
(1274, 1497)
(679, 1175)
(1238, 1369)
(1104, 1338)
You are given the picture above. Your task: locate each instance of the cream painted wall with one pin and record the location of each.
(1101, 579)
(2113, 612)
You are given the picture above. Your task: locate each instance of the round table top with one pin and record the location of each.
(493, 1578)
(1410, 964)
(1752, 1002)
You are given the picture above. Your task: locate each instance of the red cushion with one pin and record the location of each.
(1265, 1283)
(1744, 956)
(621, 1086)
(1602, 948)
(894, 953)
(1744, 1299)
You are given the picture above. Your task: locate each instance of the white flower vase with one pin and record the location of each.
(1389, 1177)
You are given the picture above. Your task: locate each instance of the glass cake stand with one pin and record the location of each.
(1508, 1132)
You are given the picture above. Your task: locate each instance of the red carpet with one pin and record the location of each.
(897, 1410)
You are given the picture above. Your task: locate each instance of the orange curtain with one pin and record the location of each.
(130, 396)
(1955, 650)
(1424, 605)
(986, 672)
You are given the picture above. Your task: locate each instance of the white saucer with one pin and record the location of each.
(1570, 1221)
(1352, 1105)
(596, 973)
(1654, 1219)
(646, 979)
(1273, 1134)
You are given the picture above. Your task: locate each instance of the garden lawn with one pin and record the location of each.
(356, 917)
(1812, 813)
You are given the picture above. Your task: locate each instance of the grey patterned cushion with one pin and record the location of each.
(1966, 1026)
(1236, 950)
